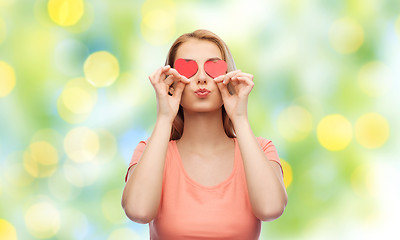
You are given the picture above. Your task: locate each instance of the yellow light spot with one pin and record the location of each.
(49, 135)
(42, 220)
(16, 175)
(111, 207)
(397, 25)
(69, 116)
(41, 159)
(77, 100)
(108, 145)
(372, 130)
(7, 231)
(158, 22)
(65, 12)
(7, 79)
(334, 132)
(346, 35)
(363, 181)
(374, 79)
(124, 233)
(295, 123)
(81, 144)
(81, 174)
(287, 171)
(6, 2)
(101, 69)
(3, 30)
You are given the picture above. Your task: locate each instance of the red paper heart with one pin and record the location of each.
(185, 68)
(215, 69)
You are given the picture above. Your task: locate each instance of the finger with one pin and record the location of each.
(169, 80)
(219, 78)
(178, 90)
(223, 89)
(222, 77)
(178, 76)
(156, 76)
(246, 80)
(248, 75)
(152, 77)
(229, 75)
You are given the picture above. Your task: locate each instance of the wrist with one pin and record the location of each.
(238, 121)
(164, 120)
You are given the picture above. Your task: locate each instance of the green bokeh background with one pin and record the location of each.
(289, 47)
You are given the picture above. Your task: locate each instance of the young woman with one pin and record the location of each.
(202, 174)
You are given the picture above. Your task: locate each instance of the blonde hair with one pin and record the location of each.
(201, 34)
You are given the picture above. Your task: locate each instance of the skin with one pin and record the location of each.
(204, 135)
(203, 126)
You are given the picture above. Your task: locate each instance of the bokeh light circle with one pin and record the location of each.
(49, 135)
(41, 159)
(81, 144)
(363, 180)
(374, 79)
(65, 12)
(101, 69)
(77, 100)
(372, 130)
(158, 22)
(334, 132)
(288, 173)
(397, 26)
(7, 230)
(7, 79)
(13, 173)
(81, 174)
(42, 220)
(346, 35)
(124, 233)
(5, 3)
(108, 145)
(295, 123)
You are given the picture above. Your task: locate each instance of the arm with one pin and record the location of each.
(142, 192)
(264, 178)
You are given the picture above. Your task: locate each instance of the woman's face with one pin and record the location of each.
(200, 51)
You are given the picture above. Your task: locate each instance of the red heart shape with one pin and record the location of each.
(215, 69)
(186, 68)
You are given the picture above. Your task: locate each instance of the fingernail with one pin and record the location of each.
(216, 79)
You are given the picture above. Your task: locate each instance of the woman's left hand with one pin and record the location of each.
(235, 104)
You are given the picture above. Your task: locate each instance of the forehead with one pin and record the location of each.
(198, 50)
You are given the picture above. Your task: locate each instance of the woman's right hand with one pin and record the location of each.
(167, 105)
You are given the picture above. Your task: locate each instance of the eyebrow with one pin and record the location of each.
(210, 59)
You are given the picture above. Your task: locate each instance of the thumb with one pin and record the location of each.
(178, 90)
(223, 89)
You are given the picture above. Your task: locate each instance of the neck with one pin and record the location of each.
(204, 131)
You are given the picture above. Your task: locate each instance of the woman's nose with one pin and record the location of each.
(202, 76)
